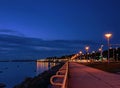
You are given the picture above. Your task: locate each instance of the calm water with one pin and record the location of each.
(12, 73)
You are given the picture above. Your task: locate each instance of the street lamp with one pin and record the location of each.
(108, 36)
(93, 55)
(116, 54)
(87, 48)
(101, 49)
(80, 54)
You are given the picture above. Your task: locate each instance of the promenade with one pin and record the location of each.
(86, 77)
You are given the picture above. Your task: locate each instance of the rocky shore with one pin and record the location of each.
(40, 81)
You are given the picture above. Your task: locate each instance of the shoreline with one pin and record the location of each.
(25, 61)
(40, 81)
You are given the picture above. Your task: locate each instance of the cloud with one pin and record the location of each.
(21, 47)
(10, 32)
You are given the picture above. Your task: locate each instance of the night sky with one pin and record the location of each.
(41, 28)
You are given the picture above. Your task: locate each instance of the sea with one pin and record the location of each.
(14, 72)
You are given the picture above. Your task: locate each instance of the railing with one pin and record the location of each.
(61, 74)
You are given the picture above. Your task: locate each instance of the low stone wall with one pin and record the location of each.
(40, 81)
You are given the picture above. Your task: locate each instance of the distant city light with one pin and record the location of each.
(80, 52)
(87, 48)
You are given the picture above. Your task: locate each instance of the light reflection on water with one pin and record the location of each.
(12, 73)
(42, 66)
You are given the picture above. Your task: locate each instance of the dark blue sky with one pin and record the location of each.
(68, 20)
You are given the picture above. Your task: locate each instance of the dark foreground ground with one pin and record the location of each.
(113, 67)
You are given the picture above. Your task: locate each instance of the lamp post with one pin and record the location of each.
(93, 55)
(101, 50)
(108, 35)
(116, 54)
(87, 48)
(80, 54)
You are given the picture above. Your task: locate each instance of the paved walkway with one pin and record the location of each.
(85, 77)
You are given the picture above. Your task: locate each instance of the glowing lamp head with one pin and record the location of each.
(77, 54)
(93, 51)
(87, 48)
(100, 49)
(108, 35)
(80, 52)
